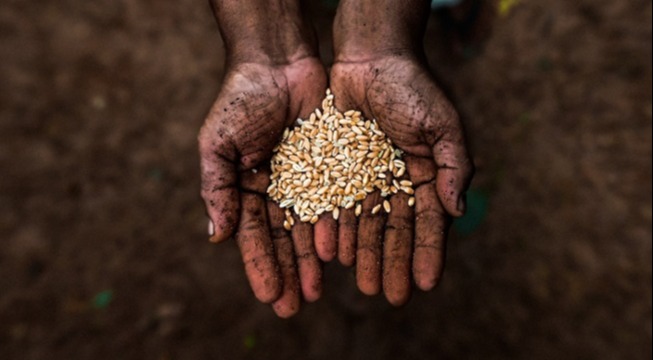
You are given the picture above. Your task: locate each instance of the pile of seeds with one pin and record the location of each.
(333, 160)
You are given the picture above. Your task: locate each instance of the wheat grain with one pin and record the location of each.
(387, 207)
(332, 161)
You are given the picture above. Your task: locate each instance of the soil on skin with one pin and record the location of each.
(104, 253)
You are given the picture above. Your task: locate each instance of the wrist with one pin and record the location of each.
(253, 53)
(363, 52)
(272, 32)
(366, 30)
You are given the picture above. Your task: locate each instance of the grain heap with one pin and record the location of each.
(333, 160)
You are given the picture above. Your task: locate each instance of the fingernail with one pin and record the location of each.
(211, 228)
(462, 203)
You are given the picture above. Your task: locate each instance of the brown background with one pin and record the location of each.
(100, 103)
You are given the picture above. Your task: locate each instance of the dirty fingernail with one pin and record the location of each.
(462, 203)
(211, 228)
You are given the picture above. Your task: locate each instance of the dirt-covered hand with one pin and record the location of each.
(256, 103)
(410, 108)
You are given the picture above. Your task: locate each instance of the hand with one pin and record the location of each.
(273, 77)
(399, 92)
(256, 103)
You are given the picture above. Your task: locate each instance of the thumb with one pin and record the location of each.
(219, 185)
(455, 170)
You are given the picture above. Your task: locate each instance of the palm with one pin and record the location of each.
(403, 98)
(256, 103)
(415, 114)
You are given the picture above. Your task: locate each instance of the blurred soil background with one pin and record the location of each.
(103, 248)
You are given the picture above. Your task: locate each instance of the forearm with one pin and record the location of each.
(368, 28)
(265, 31)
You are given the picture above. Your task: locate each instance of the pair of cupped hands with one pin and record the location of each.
(258, 102)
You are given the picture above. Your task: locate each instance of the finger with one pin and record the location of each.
(455, 171)
(369, 247)
(219, 184)
(397, 250)
(326, 233)
(256, 180)
(347, 237)
(431, 225)
(289, 303)
(310, 270)
(253, 238)
(347, 221)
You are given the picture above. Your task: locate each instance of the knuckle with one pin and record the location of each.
(399, 222)
(432, 215)
(278, 232)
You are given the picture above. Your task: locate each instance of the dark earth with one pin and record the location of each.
(104, 253)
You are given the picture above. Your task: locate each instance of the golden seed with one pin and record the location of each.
(376, 209)
(408, 190)
(332, 160)
(286, 175)
(387, 207)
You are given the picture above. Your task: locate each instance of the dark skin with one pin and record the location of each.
(273, 77)
(380, 70)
